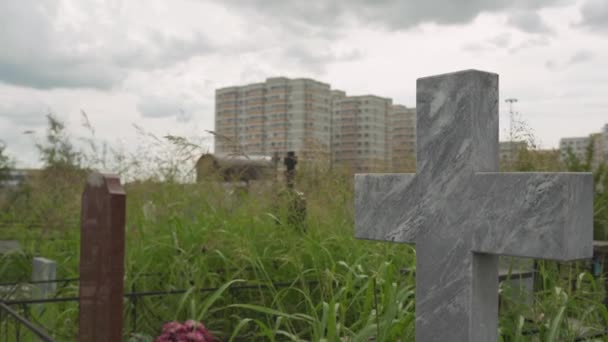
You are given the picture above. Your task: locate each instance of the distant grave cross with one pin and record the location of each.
(462, 214)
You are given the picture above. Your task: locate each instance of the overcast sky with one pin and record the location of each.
(156, 63)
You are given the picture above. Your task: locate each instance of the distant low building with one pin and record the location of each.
(230, 168)
(579, 147)
(576, 145)
(17, 177)
(509, 150)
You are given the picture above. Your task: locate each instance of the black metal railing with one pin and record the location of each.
(133, 296)
(22, 321)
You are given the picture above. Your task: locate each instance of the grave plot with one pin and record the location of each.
(178, 252)
(461, 214)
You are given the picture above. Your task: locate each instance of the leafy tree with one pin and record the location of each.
(6, 163)
(51, 198)
(57, 152)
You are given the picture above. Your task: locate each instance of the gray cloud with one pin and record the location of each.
(180, 107)
(530, 43)
(551, 65)
(529, 22)
(594, 16)
(40, 52)
(48, 74)
(316, 60)
(162, 50)
(25, 115)
(580, 57)
(499, 41)
(301, 21)
(17, 118)
(252, 73)
(474, 47)
(390, 14)
(20, 146)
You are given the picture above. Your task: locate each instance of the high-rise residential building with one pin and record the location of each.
(302, 115)
(402, 141)
(277, 115)
(361, 132)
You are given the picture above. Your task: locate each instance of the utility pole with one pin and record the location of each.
(511, 101)
(512, 145)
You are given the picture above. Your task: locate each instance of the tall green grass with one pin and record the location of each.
(205, 235)
(202, 236)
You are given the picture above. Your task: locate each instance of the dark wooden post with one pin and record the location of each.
(102, 251)
(290, 168)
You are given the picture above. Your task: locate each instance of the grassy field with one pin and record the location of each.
(337, 287)
(329, 286)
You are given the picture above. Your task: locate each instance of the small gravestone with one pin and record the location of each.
(44, 272)
(462, 214)
(102, 250)
(149, 210)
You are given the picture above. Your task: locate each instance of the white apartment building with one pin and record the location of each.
(361, 132)
(402, 139)
(277, 115)
(305, 116)
(579, 145)
(509, 150)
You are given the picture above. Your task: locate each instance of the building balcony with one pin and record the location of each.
(220, 107)
(276, 101)
(345, 131)
(274, 141)
(276, 121)
(227, 97)
(276, 111)
(225, 125)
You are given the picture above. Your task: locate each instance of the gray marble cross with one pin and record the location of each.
(462, 214)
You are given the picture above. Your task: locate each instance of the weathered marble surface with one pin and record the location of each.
(461, 214)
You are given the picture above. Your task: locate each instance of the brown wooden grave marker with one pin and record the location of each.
(102, 251)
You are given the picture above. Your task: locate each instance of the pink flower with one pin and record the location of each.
(190, 331)
(172, 327)
(192, 324)
(195, 336)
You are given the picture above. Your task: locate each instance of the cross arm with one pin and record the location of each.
(386, 208)
(536, 215)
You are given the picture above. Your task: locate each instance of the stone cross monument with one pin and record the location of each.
(462, 214)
